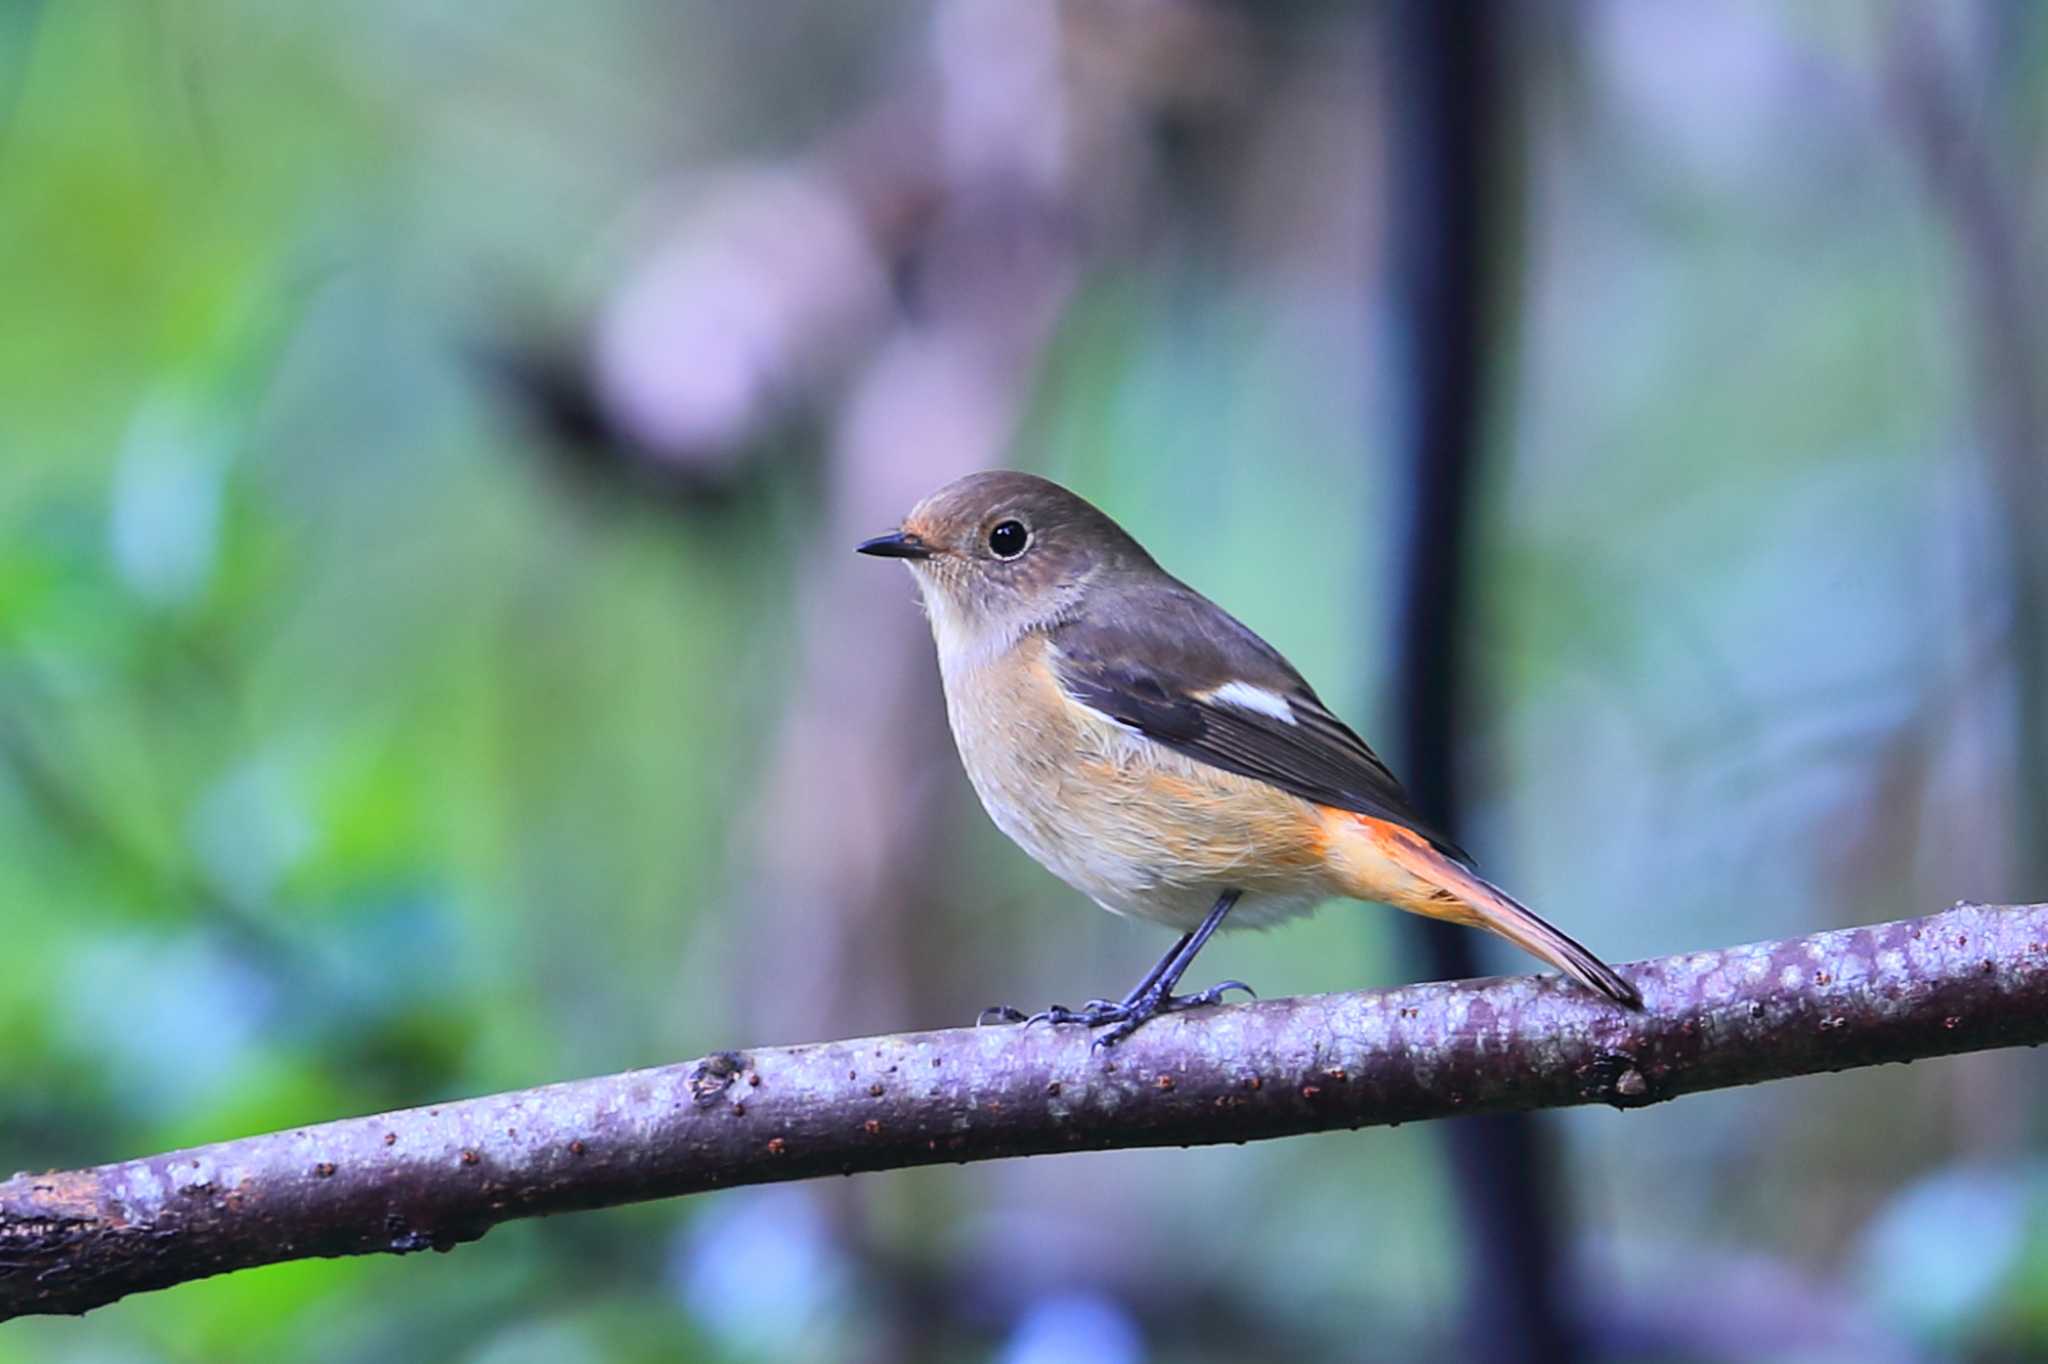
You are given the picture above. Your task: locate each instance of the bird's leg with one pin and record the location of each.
(1151, 978)
(1154, 995)
(1151, 996)
(1095, 1012)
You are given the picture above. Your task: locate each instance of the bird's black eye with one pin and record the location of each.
(1008, 539)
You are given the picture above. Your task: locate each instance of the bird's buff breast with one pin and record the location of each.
(1128, 822)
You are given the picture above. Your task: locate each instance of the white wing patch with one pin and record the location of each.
(1245, 696)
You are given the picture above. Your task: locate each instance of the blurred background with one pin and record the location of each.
(432, 660)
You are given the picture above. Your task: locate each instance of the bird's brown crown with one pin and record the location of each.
(1013, 548)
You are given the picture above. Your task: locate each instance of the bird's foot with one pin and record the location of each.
(1213, 995)
(1135, 1012)
(1095, 1013)
(1121, 1016)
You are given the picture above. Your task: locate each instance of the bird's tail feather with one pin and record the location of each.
(1502, 913)
(1426, 881)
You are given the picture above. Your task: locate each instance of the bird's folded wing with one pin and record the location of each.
(1180, 670)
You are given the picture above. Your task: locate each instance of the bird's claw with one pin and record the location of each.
(1135, 1013)
(1121, 1016)
(1093, 1014)
(1213, 995)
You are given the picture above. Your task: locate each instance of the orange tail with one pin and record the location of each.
(1376, 860)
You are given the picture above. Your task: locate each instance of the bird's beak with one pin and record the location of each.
(897, 544)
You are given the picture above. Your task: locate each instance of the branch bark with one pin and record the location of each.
(1970, 978)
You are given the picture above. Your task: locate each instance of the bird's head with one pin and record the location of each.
(999, 554)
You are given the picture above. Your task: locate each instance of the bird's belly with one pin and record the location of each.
(1131, 824)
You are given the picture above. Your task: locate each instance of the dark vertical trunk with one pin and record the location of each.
(1447, 95)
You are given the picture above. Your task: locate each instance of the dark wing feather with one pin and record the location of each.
(1151, 662)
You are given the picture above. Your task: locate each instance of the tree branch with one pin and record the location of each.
(1971, 978)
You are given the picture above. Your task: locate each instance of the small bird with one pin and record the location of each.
(1152, 752)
